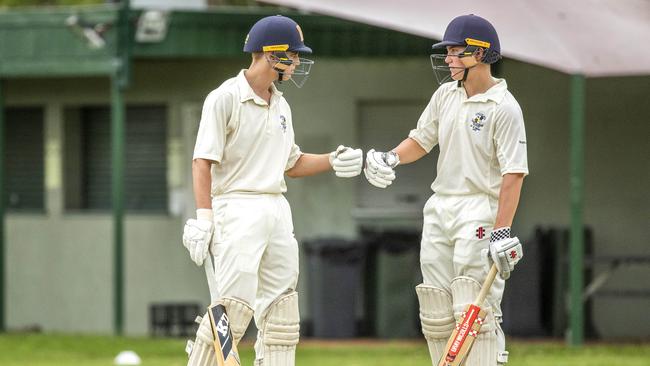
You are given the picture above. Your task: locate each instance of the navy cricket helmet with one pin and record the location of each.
(275, 33)
(474, 32)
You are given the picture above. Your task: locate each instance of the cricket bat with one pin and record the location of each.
(462, 338)
(225, 348)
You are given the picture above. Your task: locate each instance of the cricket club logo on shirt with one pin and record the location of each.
(283, 124)
(478, 121)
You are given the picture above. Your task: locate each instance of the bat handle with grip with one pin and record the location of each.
(487, 284)
(210, 269)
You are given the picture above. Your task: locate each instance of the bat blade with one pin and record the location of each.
(462, 338)
(224, 347)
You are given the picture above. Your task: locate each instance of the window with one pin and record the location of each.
(89, 170)
(24, 176)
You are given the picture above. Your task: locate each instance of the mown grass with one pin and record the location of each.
(59, 350)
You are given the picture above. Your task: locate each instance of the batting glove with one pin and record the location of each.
(197, 235)
(346, 161)
(379, 168)
(504, 251)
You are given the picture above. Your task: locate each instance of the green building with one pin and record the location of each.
(94, 94)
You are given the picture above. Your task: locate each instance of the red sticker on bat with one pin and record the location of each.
(464, 329)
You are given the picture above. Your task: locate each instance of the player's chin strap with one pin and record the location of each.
(465, 73)
(280, 75)
(470, 51)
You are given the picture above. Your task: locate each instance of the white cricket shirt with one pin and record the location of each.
(253, 149)
(481, 138)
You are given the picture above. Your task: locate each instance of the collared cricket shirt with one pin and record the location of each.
(251, 141)
(481, 138)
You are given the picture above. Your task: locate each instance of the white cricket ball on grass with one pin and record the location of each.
(127, 358)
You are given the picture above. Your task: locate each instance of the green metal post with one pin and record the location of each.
(117, 184)
(3, 269)
(124, 45)
(119, 82)
(577, 111)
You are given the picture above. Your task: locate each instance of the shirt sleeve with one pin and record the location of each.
(211, 137)
(294, 155)
(510, 140)
(426, 132)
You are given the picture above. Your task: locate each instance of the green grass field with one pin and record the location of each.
(51, 350)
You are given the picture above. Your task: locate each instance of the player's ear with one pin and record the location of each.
(478, 55)
(470, 61)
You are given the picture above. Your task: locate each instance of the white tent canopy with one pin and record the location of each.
(588, 37)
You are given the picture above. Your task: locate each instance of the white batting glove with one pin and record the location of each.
(379, 168)
(346, 161)
(197, 235)
(504, 251)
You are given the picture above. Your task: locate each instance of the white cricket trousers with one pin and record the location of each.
(455, 230)
(254, 249)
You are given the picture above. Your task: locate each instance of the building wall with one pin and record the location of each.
(64, 259)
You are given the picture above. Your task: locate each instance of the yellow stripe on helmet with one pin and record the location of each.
(477, 43)
(275, 47)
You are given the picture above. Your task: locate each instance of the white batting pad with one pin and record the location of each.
(464, 291)
(202, 350)
(437, 318)
(485, 350)
(239, 314)
(436, 312)
(281, 332)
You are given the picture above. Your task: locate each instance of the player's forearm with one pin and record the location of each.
(310, 164)
(201, 182)
(409, 151)
(508, 199)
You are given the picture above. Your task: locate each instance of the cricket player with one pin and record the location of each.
(244, 148)
(479, 127)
